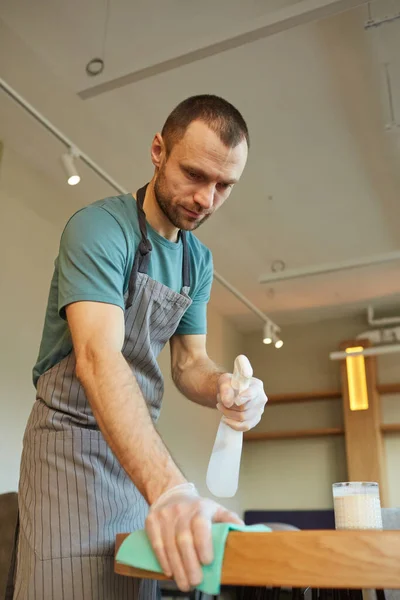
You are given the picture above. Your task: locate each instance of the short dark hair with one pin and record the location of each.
(220, 116)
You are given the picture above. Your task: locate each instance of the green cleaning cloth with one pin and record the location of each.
(136, 551)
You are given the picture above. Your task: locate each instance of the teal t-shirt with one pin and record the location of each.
(94, 263)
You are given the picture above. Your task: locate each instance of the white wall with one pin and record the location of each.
(28, 245)
(298, 473)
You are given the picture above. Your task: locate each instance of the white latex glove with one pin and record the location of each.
(243, 411)
(179, 528)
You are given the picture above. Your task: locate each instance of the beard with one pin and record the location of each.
(174, 212)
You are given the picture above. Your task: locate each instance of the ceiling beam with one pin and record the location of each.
(301, 272)
(281, 20)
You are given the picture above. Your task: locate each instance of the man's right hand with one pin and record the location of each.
(179, 530)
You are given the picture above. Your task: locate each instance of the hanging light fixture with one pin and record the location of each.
(278, 343)
(270, 334)
(267, 333)
(68, 160)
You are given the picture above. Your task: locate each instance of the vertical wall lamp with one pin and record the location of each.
(357, 379)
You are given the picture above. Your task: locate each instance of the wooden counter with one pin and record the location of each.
(319, 559)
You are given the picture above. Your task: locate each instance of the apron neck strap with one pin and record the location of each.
(145, 246)
(185, 262)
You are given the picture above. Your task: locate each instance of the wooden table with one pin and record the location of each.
(317, 559)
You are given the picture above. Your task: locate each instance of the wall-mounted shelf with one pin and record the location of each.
(304, 397)
(390, 428)
(260, 436)
(383, 388)
(388, 388)
(257, 436)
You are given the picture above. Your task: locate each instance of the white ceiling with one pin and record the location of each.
(322, 183)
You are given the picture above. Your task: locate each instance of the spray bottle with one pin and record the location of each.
(223, 468)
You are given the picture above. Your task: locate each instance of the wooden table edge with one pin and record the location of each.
(315, 558)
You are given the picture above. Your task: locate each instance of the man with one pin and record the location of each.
(129, 277)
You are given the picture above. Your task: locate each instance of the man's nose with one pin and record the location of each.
(205, 196)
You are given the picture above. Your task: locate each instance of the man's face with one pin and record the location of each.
(197, 177)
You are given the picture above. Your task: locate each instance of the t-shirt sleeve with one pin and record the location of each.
(92, 259)
(194, 321)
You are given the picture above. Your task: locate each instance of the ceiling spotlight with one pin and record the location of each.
(270, 334)
(69, 166)
(278, 343)
(267, 333)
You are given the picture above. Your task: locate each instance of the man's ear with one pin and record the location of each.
(158, 151)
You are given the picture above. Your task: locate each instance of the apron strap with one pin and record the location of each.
(185, 262)
(145, 247)
(143, 252)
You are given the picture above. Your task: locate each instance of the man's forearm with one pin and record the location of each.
(123, 417)
(198, 380)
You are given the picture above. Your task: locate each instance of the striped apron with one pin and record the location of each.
(74, 496)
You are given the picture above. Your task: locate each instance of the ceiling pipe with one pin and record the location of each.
(378, 22)
(384, 321)
(330, 267)
(340, 355)
(114, 184)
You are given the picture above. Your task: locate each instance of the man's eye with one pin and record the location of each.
(193, 175)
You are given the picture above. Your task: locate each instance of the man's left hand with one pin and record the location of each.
(241, 411)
